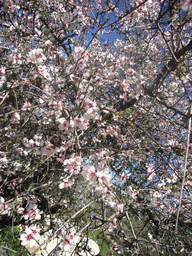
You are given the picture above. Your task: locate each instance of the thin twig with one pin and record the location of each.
(6, 248)
(163, 35)
(127, 215)
(185, 168)
(4, 97)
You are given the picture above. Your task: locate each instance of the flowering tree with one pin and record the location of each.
(95, 125)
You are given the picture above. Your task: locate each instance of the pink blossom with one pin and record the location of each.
(57, 105)
(32, 212)
(81, 123)
(112, 225)
(69, 243)
(3, 160)
(151, 177)
(123, 96)
(66, 124)
(15, 119)
(123, 177)
(104, 178)
(31, 144)
(150, 172)
(3, 206)
(89, 173)
(16, 57)
(2, 70)
(92, 109)
(119, 207)
(187, 5)
(48, 43)
(44, 72)
(30, 236)
(73, 164)
(3, 79)
(26, 106)
(118, 43)
(9, 6)
(38, 139)
(172, 179)
(157, 194)
(132, 192)
(112, 131)
(79, 50)
(36, 56)
(66, 183)
(49, 149)
(126, 86)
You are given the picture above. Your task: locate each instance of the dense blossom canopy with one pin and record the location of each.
(95, 125)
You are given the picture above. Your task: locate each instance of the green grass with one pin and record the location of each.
(102, 240)
(9, 242)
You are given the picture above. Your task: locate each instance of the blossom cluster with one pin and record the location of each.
(39, 146)
(100, 182)
(36, 56)
(73, 164)
(67, 241)
(30, 237)
(31, 211)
